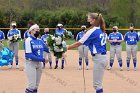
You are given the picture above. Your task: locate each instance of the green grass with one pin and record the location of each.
(70, 42)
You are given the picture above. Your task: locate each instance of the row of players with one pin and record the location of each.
(115, 38)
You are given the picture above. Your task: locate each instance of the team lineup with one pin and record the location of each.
(38, 53)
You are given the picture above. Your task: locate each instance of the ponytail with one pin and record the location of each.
(99, 20)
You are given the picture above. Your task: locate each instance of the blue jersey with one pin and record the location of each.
(60, 31)
(95, 40)
(115, 36)
(80, 35)
(131, 38)
(34, 49)
(44, 37)
(26, 34)
(12, 32)
(2, 36)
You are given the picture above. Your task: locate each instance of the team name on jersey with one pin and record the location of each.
(114, 37)
(131, 37)
(37, 46)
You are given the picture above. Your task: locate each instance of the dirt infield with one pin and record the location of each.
(70, 80)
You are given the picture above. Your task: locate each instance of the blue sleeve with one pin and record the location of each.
(137, 37)
(35, 58)
(125, 37)
(3, 36)
(8, 35)
(46, 49)
(19, 33)
(77, 37)
(55, 31)
(25, 35)
(109, 38)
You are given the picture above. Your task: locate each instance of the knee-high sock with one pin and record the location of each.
(16, 58)
(128, 63)
(29, 90)
(56, 62)
(111, 62)
(50, 63)
(135, 62)
(80, 61)
(62, 62)
(120, 62)
(99, 91)
(86, 62)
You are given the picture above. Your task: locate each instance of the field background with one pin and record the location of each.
(70, 80)
(70, 42)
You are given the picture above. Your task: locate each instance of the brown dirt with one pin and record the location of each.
(70, 80)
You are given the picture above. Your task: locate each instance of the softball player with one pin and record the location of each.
(44, 38)
(34, 57)
(60, 31)
(95, 40)
(2, 36)
(83, 50)
(115, 38)
(13, 45)
(131, 39)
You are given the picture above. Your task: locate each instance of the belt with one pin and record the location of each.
(131, 44)
(115, 44)
(104, 53)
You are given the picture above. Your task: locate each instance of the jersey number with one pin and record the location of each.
(103, 37)
(38, 52)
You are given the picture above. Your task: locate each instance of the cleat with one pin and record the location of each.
(109, 68)
(128, 69)
(56, 67)
(135, 69)
(10, 66)
(121, 69)
(17, 67)
(62, 67)
(86, 67)
(80, 67)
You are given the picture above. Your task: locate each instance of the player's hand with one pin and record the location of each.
(115, 40)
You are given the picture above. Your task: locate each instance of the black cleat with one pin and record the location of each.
(56, 67)
(62, 67)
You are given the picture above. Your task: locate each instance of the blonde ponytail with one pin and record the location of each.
(99, 20)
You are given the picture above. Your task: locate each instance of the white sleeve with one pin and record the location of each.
(28, 48)
(87, 35)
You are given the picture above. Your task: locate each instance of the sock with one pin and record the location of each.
(120, 63)
(135, 63)
(128, 63)
(43, 64)
(86, 62)
(29, 90)
(80, 61)
(35, 91)
(99, 91)
(62, 62)
(56, 62)
(50, 63)
(16, 58)
(11, 63)
(111, 63)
